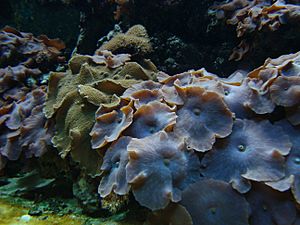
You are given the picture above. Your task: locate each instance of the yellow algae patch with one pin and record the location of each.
(13, 214)
(16, 215)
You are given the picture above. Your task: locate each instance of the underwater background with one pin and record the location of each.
(162, 112)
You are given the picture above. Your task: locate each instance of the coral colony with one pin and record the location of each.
(192, 148)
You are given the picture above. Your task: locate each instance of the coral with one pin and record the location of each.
(135, 41)
(267, 206)
(278, 80)
(285, 91)
(24, 127)
(114, 163)
(23, 60)
(256, 16)
(109, 126)
(74, 96)
(190, 147)
(227, 123)
(245, 157)
(24, 48)
(13, 75)
(203, 112)
(143, 93)
(173, 214)
(151, 118)
(214, 202)
(110, 60)
(292, 175)
(161, 164)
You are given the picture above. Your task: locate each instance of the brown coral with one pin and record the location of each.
(285, 91)
(26, 49)
(135, 41)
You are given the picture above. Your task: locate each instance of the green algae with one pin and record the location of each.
(19, 211)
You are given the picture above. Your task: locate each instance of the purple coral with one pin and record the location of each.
(203, 117)
(151, 118)
(292, 176)
(254, 151)
(24, 128)
(109, 125)
(270, 207)
(215, 202)
(114, 163)
(160, 164)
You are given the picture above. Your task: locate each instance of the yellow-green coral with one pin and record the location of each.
(74, 96)
(135, 41)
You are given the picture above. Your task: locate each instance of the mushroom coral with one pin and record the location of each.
(269, 207)
(160, 164)
(202, 117)
(155, 133)
(285, 91)
(174, 214)
(143, 93)
(25, 48)
(279, 79)
(151, 118)
(74, 96)
(23, 57)
(253, 151)
(114, 163)
(256, 16)
(109, 125)
(24, 127)
(292, 175)
(215, 202)
(246, 100)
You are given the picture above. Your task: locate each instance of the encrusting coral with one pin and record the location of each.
(135, 41)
